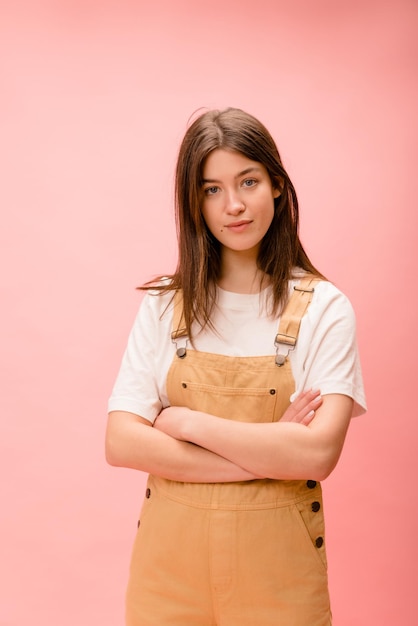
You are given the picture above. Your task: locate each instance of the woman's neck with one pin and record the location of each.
(240, 274)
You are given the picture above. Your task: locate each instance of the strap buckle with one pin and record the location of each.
(181, 344)
(283, 344)
(307, 289)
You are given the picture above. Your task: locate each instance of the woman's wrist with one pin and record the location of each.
(194, 426)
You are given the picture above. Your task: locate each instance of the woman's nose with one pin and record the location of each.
(235, 204)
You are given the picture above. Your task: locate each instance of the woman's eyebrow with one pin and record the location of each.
(248, 170)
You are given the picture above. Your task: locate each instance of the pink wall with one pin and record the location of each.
(95, 98)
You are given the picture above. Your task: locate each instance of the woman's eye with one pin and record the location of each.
(210, 191)
(249, 182)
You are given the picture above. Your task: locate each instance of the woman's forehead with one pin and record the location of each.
(224, 162)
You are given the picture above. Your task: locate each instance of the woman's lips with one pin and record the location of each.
(238, 227)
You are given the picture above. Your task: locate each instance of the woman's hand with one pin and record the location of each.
(302, 410)
(173, 421)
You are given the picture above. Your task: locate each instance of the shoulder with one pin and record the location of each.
(331, 306)
(158, 300)
(330, 314)
(327, 300)
(154, 315)
(328, 295)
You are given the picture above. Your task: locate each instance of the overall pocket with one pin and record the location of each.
(309, 516)
(240, 404)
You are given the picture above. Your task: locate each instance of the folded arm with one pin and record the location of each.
(282, 450)
(132, 442)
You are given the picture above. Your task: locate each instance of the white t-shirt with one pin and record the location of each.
(325, 356)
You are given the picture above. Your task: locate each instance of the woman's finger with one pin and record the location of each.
(300, 411)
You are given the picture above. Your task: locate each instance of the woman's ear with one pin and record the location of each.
(278, 186)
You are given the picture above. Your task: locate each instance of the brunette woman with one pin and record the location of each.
(235, 393)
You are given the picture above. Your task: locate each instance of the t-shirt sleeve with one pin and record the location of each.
(136, 387)
(331, 362)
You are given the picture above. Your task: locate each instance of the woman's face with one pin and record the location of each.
(237, 200)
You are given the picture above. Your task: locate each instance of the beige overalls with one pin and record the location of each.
(232, 554)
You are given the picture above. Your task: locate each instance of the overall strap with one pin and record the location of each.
(178, 328)
(291, 317)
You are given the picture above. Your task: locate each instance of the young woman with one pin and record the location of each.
(235, 394)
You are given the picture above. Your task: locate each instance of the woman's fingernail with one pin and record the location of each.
(317, 399)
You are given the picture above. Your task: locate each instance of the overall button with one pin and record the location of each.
(184, 385)
(272, 392)
(139, 523)
(319, 542)
(148, 493)
(311, 484)
(315, 507)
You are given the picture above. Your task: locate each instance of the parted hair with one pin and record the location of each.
(198, 266)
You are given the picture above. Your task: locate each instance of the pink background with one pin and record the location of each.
(95, 99)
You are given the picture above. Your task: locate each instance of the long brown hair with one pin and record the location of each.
(198, 266)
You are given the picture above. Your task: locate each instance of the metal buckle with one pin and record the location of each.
(181, 350)
(308, 289)
(281, 357)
